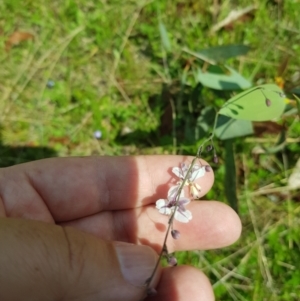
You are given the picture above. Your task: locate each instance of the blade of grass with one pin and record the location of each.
(263, 259)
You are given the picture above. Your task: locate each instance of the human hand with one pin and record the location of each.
(62, 220)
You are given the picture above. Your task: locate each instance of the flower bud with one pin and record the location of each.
(172, 261)
(216, 159)
(209, 148)
(268, 102)
(175, 234)
(207, 168)
(97, 134)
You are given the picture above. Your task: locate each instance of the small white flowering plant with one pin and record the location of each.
(184, 191)
(260, 103)
(176, 199)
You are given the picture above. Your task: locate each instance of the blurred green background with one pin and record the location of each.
(82, 77)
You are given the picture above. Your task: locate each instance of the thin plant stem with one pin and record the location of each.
(171, 219)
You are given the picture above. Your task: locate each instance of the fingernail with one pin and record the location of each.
(137, 262)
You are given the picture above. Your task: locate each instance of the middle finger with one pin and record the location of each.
(214, 225)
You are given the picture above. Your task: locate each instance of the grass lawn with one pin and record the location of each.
(71, 68)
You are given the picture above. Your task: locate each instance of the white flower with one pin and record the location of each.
(195, 173)
(168, 206)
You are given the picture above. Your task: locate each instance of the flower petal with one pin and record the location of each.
(181, 209)
(161, 203)
(197, 173)
(183, 201)
(165, 211)
(183, 217)
(184, 168)
(172, 193)
(178, 172)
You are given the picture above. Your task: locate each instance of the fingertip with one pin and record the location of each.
(184, 283)
(234, 224)
(229, 229)
(209, 178)
(214, 225)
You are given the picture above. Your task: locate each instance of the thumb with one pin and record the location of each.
(42, 261)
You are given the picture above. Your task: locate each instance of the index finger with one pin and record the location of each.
(71, 188)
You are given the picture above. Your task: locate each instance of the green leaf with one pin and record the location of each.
(222, 53)
(228, 128)
(204, 121)
(221, 81)
(260, 103)
(164, 37)
(199, 56)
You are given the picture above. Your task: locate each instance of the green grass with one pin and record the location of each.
(111, 73)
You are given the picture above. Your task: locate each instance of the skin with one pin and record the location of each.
(60, 219)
